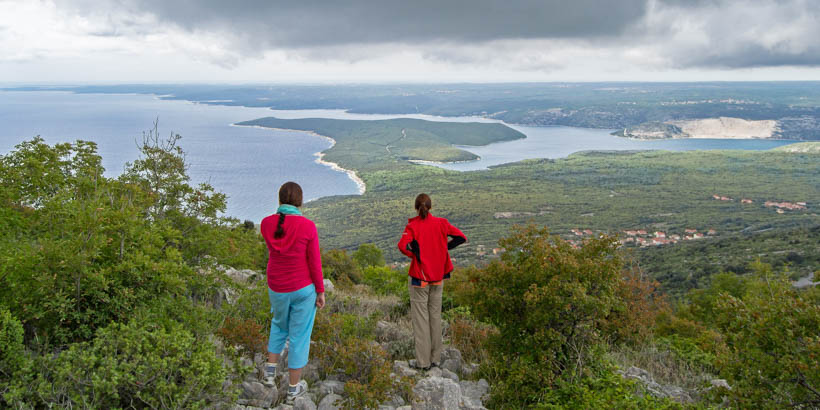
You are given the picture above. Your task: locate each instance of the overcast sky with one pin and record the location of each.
(267, 41)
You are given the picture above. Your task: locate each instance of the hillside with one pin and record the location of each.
(801, 147)
(373, 145)
(146, 280)
(599, 192)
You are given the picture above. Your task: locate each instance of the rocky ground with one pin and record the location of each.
(444, 387)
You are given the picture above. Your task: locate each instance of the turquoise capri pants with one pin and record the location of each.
(293, 314)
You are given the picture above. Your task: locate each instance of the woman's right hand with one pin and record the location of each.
(320, 300)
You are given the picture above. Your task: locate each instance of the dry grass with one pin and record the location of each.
(664, 366)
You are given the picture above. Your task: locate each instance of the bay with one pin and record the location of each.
(248, 163)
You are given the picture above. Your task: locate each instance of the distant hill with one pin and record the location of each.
(802, 147)
(795, 106)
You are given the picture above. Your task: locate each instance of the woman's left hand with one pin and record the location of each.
(320, 300)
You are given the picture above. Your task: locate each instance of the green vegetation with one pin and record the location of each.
(113, 279)
(114, 292)
(374, 145)
(604, 192)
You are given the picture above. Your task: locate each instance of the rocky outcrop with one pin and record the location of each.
(645, 379)
(257, 395)
(721, 128)
(437, 393)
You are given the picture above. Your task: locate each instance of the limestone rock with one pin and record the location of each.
(241, 275)
(436, 393)
(331, 402)
(303, 403)
(327, 387)
(721, 383)
(451, 359)
(434, 372)
(473, 394)
(655, 389)
(402, 368)
(329, 286)
(257, 394)
(469, 369)
(449, 375)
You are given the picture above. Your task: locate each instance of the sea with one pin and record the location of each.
(248, 164)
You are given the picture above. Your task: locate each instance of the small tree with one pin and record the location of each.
(547, 299)
(368, 255)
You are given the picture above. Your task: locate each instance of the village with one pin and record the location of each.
(780, 207)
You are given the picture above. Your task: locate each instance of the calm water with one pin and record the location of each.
(544, 142)
(249, 164)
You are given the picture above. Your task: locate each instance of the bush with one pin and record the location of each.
(468, 335)
(773, 356)
(246, 334)
(550, 299)
(634, 321)
(386, 281)
(340, 268)
(135, 366)
(343, 346)
(12, 352)
(368, 255)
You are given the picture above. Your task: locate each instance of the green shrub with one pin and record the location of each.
(385, 281)
(135, 365)
(604, 390)
(368, 255)
(773, 339)
(12, 352)
(343, 346)
(549, 298)
(340, 268)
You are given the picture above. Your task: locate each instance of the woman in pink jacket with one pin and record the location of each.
(295, 285)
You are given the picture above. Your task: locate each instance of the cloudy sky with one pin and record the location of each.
(244, 41)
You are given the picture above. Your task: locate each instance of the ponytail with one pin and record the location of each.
(280, 231)
(290, 193)
(423, 205)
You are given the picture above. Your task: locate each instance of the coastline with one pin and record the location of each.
(362, 187)
(425, 162)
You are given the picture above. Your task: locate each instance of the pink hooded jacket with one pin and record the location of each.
(294, 259)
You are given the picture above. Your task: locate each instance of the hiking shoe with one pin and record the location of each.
(413, 364)
(298, 390)
(270, 374)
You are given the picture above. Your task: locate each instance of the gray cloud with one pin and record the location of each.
(322, 23)
(736, 34)
(671, 33)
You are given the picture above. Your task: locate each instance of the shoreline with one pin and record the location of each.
(361, 186)
(425, 162)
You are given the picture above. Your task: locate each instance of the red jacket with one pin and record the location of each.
(425, 242)
(294, 260)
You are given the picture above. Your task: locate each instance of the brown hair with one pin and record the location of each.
(423, 205)
(290, 193)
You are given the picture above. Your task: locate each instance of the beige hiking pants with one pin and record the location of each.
(425, 312)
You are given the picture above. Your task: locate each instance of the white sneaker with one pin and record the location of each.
(297, 391)
(270, 374)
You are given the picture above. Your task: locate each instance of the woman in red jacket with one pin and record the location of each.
(295, 285)
(425, 242)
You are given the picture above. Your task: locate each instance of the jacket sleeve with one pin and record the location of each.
(456, 234)
(405, 240)
(314, 259)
